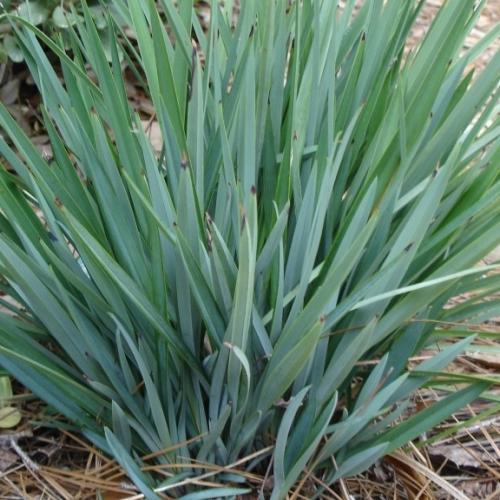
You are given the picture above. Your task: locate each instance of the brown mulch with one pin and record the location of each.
(45, 463)
(490, 16)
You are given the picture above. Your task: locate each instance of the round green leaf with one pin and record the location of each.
(61, 18)
(12, 49)
(98, 16)
(34, 12)
(9, 417)
(107, 40)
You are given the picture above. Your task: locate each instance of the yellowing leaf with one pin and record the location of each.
(9, 417)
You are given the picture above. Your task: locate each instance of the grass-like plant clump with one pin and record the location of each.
(320, 196)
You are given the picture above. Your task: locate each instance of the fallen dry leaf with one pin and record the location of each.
(454, 454)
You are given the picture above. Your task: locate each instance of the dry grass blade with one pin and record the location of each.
(421, 469)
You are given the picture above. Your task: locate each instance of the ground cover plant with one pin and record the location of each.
(320, 196)
(52, 16)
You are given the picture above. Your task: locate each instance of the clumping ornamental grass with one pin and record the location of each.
(320, 196)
